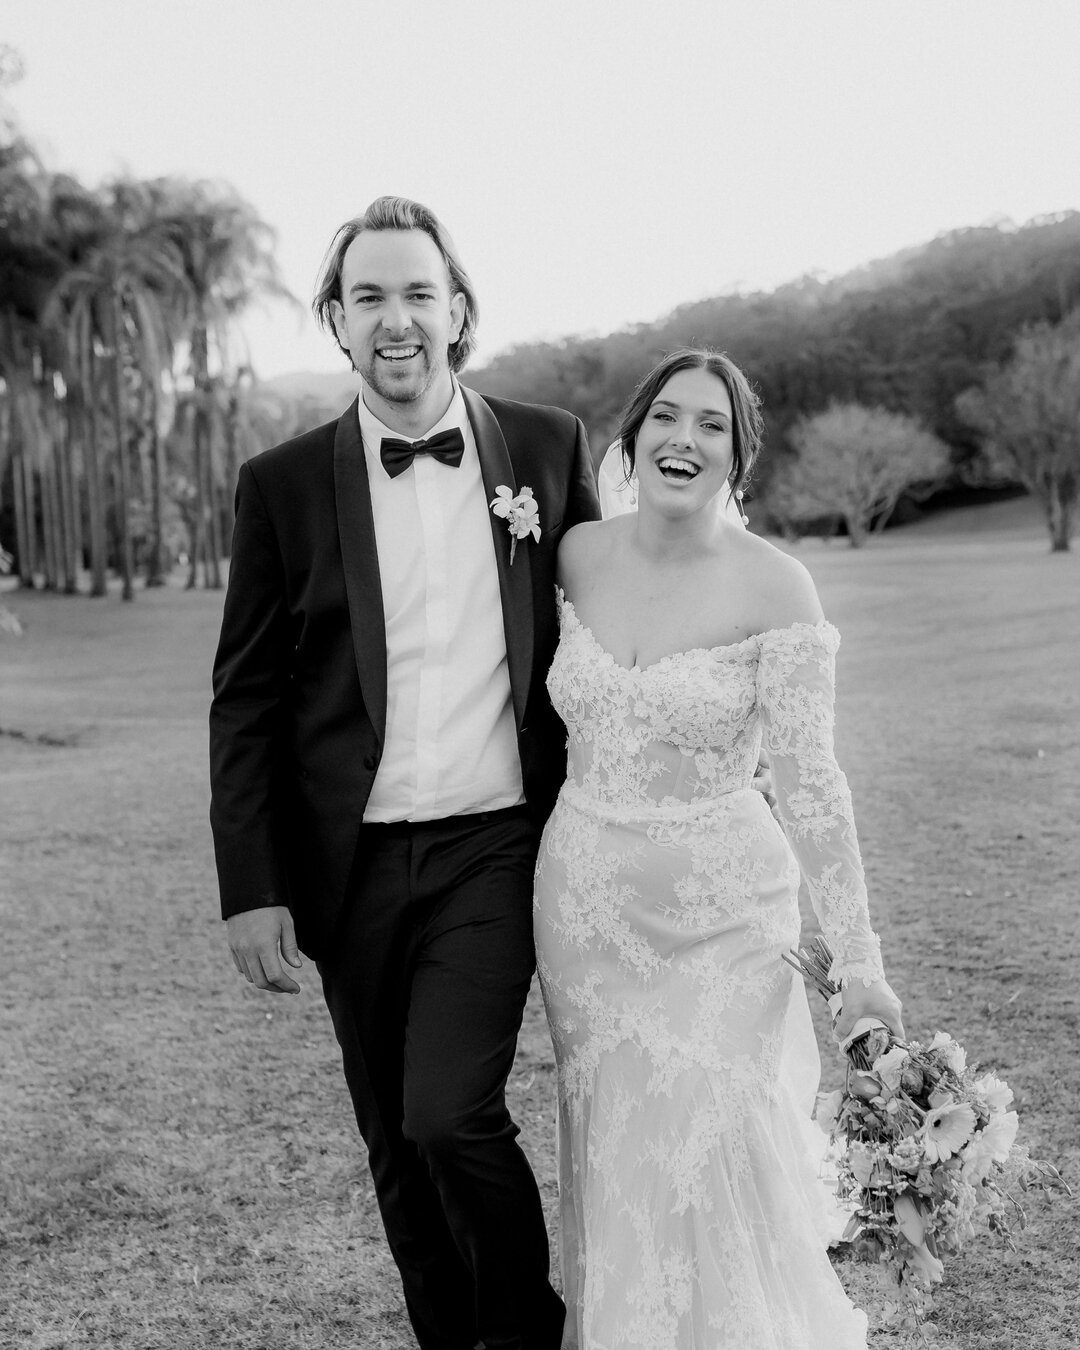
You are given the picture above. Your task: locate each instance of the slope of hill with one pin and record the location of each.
(907, 333)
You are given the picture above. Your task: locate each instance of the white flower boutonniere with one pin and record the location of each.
(521, 513)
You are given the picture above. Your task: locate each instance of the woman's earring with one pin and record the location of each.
(742, 513)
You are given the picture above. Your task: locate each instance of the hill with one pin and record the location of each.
(908, 332)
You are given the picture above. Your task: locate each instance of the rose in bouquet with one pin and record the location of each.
(924, 1146)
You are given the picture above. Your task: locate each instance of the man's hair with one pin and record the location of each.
(747, 423)
(397, 213)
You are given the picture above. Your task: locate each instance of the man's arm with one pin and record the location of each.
(251, 678)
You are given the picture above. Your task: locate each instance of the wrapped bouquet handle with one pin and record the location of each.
(870, 1036)
(862, 1027)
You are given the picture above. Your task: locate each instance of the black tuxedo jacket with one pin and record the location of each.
(298, 718)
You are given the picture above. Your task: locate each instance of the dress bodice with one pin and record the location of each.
(688, 729)
(680, 730)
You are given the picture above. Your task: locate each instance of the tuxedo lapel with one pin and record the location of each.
(356, 531)
(515, 580)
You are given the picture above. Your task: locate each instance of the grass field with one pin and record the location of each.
(178, 1164)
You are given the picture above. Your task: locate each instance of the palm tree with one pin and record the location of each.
(76, 221)
(228, 262)
(114, 295)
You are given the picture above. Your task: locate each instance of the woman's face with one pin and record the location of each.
(685, 447)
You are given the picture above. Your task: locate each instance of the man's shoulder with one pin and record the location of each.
(509, 413)
(298, 452)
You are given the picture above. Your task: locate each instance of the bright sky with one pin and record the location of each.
(597, 161)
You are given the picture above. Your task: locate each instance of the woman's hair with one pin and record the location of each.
(398, 213)
(747, 423)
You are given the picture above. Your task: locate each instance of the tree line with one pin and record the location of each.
(126, 404)
(883, 379)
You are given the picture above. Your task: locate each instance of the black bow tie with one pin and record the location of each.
(447, 447)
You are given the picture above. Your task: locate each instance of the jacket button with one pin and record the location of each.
(371, 762)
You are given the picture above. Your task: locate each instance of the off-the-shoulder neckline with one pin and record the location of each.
(823, 628)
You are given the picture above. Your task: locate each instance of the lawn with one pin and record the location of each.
(179, 1164)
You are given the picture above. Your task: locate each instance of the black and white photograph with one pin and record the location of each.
(539, 648)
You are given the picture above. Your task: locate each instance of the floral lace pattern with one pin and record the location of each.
(692, 1215)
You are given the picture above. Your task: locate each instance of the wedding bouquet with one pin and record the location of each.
(924, 1146)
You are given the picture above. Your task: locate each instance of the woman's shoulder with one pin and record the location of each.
(780, 589)
(590, 540)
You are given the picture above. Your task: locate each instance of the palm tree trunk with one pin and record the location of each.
(51, 490)
(30, 487)
(95, 498)
(48, 529)
(231, 470)
(199, 448)
(155, 561)
(213, 580)
(127, 563)
(155, 558)
(68, 511)
(198, 509)
(23, 528)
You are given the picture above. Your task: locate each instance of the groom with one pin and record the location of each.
(383, 755)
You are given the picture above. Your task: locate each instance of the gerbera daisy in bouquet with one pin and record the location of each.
(924, 1146)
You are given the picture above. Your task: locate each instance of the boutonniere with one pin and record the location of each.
(521, 513)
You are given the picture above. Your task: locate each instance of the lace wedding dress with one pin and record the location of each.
(692, 1213)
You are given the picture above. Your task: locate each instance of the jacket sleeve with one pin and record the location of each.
(795, 685)
(251, 681)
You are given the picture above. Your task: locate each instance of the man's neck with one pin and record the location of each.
(411, 420)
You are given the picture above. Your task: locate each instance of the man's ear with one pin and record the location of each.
(337, 318)
(457, 315)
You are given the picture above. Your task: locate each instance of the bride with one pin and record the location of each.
(692, 1216)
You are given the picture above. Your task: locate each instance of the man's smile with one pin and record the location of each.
(398, 353)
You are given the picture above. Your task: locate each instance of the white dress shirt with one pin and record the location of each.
(451, 744)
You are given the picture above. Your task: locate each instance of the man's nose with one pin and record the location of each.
(395, 316)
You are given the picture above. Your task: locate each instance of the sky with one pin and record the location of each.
(598, 162)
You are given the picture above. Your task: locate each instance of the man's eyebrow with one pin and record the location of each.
(705, 412)
(409, 286)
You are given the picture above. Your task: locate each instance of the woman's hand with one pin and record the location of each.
(875, 1000)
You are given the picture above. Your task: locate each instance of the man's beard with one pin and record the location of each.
(380, 378)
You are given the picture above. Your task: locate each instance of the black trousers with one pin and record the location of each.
(426, 989)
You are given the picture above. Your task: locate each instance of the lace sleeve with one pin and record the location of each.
(795, 684)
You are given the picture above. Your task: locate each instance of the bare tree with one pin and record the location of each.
(1029, 411)
(855, 462)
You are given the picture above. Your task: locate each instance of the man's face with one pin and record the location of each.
(397, 316)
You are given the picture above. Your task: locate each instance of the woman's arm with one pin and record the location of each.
(795, 687)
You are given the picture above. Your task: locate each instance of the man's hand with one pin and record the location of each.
(875, 1000)
(256, 937)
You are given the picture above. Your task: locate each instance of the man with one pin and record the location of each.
(383, 755)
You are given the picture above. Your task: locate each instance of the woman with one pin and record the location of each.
(692, 1213)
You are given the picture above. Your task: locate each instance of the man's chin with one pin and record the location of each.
(397, 386)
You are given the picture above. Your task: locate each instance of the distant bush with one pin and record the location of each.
(854, 463)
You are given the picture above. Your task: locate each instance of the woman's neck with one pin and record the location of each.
(678, 540)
